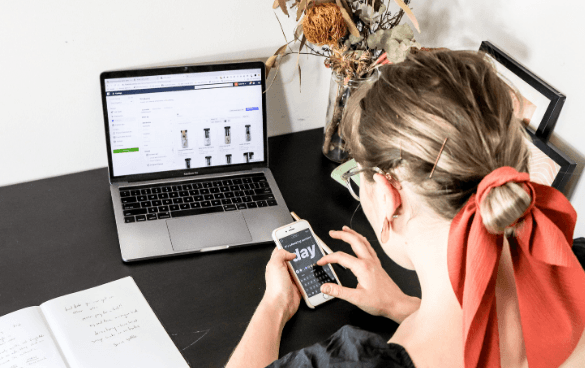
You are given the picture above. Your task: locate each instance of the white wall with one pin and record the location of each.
(52, 52)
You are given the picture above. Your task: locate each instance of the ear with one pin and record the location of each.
(389, 194)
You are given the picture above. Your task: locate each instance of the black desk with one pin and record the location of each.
(58, 236)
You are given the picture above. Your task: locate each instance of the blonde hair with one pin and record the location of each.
(402, 120)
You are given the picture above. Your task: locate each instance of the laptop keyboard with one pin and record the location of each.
(195, 197)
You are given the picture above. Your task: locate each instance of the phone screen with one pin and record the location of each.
(305, 265)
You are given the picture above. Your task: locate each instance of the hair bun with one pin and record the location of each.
(503, 206)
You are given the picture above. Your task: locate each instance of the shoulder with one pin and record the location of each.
(348, 345)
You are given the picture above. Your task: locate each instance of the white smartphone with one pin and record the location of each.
(299, 238)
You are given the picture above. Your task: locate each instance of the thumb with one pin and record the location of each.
(290, 256)
(283, 254)
(340, 292)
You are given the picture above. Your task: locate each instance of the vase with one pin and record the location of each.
(339, 93)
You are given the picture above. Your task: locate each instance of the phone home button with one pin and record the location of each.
(325, 296)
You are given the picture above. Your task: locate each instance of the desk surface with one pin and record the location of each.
(58, 236)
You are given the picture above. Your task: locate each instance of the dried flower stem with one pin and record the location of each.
(273, 79)
(303, 53)
(282, 30)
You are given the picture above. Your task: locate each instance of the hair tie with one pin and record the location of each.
(499, 177)
(550, 281)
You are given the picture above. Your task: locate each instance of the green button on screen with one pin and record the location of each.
(123, 150)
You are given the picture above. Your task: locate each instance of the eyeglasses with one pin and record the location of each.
(353, 182)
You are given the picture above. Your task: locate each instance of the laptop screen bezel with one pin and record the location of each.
(186, 173)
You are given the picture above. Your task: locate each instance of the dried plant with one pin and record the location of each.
(355, 38)
(351, 35)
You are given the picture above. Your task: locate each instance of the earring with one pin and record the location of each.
(385, 234)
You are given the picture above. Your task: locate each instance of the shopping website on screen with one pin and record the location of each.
(185, 121)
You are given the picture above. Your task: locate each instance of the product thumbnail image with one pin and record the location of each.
(184, 141)
(248, 136)
(207, 141)
(248, 156)
(228, 138)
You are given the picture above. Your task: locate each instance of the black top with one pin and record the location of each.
(348, 347)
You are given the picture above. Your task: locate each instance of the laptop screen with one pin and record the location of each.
(184, 121)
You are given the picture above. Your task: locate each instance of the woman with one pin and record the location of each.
(443, 162)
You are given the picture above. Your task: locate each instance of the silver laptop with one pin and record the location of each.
(188, 159)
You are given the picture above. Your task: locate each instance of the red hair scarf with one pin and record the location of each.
(550, 282)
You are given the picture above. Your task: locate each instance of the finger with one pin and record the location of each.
(341, 258)
(349, 229)
(354, 240)
(280, 256)
(364, 240)
(341, 292)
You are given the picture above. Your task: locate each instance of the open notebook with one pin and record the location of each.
(111, 325)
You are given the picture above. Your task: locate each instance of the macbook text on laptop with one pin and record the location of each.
(188, 159)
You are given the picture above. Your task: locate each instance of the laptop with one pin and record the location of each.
(188, 159)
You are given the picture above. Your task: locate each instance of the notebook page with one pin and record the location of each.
(111, 325)
(25, 341)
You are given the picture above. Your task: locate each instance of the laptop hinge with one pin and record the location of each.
(193, 177)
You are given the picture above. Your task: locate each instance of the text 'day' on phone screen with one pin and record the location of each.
(311, 276)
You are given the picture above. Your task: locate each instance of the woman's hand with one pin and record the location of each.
(260, 343)
(281, 292)
(375, 293)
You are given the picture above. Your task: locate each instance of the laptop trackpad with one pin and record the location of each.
(213, 230)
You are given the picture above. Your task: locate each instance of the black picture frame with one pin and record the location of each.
(567, 164)
(556, 99)
(540, 137)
